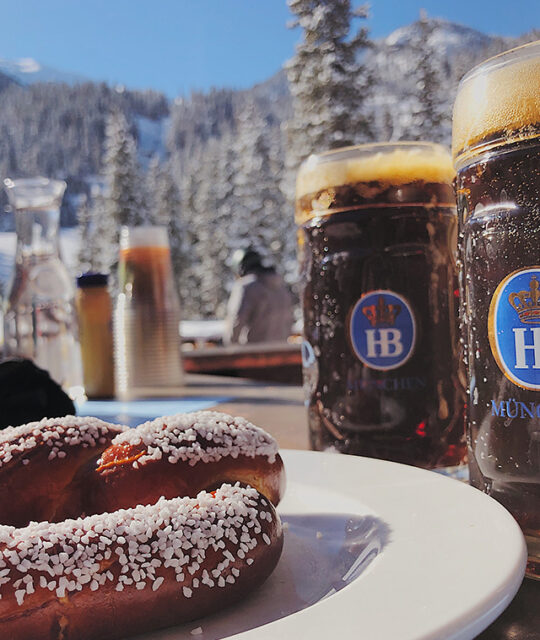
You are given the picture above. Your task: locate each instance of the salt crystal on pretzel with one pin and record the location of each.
(152, 560)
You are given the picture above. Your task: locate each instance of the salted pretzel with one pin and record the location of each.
(38, 465)
(150, 546)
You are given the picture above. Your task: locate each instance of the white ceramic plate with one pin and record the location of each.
(377, 550)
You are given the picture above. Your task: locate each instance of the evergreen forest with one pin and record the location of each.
(218, 168)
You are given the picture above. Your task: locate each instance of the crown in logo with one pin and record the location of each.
(381, 313)
(527, 303)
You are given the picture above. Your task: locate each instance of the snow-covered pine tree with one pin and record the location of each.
(124, 197)
(165, 209)
(85, 230)
(431, 118)
(262, 218)
(207, 187)
(327, 80)
(177, 239)
(153, 186)
(104, 235)
(97, 231)
(190, 279)
(211, 233)
(163, 197)
(225, 216)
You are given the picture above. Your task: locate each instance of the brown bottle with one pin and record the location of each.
(94, 311)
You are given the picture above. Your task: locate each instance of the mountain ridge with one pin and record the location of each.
(27, 71)
(58, 129)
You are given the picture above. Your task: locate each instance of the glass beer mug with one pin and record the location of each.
(377, 231)
(496, 145)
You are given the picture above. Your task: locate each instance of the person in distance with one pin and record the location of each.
(260, 305)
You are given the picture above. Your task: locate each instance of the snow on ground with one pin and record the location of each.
(202, 330)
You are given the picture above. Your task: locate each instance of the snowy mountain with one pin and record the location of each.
(392, 60)
(224, 151)
(53, 125)
(448, 38)
(26, 71)
(68, 141)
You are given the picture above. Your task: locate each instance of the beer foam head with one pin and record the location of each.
(143, 236)
(498, 102)
(393, 163)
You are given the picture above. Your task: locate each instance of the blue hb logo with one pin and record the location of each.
(382, 330)
(514, 327)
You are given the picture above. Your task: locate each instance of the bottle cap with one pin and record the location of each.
(92, 279)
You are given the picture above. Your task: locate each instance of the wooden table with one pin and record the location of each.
(280, 410)
(269, 361)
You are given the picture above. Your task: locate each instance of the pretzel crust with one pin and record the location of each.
(151, 548)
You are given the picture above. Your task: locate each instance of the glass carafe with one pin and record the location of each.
(39, 316)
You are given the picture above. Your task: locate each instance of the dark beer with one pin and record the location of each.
(376, 242)
(497, 151)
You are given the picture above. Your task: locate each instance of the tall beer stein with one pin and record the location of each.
(40, 322)
(147, 317)
(496, 146)
(377, 231)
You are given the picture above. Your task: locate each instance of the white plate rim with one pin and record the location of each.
(385, 488)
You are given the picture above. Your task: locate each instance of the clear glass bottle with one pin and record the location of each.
(39, 317)
(147, 317)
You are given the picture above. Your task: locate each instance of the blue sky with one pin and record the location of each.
(176, 46)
